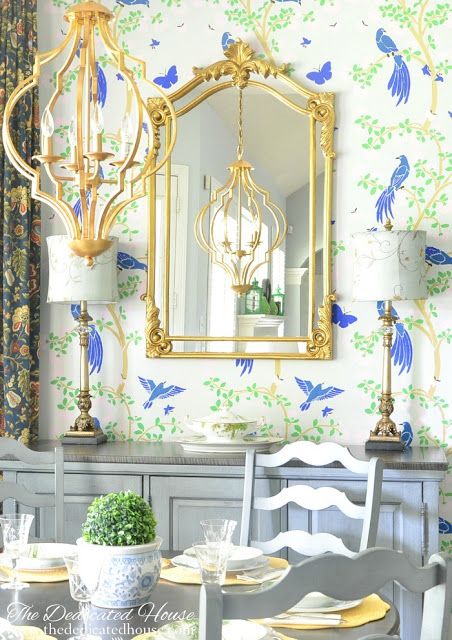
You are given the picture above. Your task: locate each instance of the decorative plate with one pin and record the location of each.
(191, 562)
(201, 444)
(45, 555)
(316, 602)
(242, 557)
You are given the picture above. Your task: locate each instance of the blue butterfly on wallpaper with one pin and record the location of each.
(119, 76)
(154, 43)
(168, 79)
(95, 347)
(407, 434)
(426, 71)
(445, 526)
(402, 348)
(387, 196)
(131, 3)
(400, 82)
(126, 261)
(320, 76)
(326, 411)
(246, 364)
(168, 409)
(314, 393)
(437, 256)
(158, 391)
(226, 40)
(341, 318)
(304, 43)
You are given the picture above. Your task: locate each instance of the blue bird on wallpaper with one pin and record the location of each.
(158, 391)
(341, 318)
(154, 43)
(95, 346)
(399, 83)
(314, 393)
(168, 79)
(402, 348)
(168, 409)
(304, 43)
(320, 76)
(226, 40)
(246, 364)
(437, 256)
(126, 261)
(326, 411)
(387, 197)
(407, 434)
(132, 3)
(445, 526)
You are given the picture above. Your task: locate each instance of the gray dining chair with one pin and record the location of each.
(342, 578)
(313, 499)
(52, 460)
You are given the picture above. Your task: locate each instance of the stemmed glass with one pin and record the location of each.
(218, 530)
(15, 530)
(83, 583)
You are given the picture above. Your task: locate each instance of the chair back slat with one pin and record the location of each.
(318, 455)
(338, 577)
(307, 544)
(313, 499)
(46, 460)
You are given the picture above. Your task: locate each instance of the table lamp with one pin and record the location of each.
(388, 265)
(78, 280)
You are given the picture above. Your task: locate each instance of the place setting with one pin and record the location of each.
(22, 562)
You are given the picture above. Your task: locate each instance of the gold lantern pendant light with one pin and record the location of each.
(230, 227)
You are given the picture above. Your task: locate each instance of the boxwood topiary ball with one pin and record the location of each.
(119, 519)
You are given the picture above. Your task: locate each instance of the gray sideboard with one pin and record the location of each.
(184, 488)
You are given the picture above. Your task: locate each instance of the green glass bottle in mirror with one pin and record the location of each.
(254, 299)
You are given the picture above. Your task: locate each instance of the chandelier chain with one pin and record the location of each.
(240, 127)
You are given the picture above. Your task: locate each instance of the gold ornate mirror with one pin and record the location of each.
(240, 216)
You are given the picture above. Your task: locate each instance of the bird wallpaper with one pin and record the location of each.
(389, 63)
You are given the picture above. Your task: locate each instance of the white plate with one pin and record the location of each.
(45, 555)
(232, 630)
(200, 444)
(316, 602)
(241, 558)
(192, 563)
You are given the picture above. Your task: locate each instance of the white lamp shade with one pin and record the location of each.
(389, 265)
(72, 279)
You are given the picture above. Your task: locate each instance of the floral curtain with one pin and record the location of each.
(20, 233)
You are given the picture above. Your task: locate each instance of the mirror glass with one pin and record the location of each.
(199, 310)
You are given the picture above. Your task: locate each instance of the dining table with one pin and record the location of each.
(50, 607)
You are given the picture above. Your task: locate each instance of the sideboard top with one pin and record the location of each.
(171, 453)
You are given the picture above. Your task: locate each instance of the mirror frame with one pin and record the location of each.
(240, 64)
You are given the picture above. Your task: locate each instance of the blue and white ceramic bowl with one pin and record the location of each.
(127, 575)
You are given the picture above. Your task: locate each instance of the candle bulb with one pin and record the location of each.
(98, 126)
(47, 128)
(126, 135)
(72, 140)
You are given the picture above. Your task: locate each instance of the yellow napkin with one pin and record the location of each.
(184, 575)
(59, 574)
(33, 633)
(371, 608)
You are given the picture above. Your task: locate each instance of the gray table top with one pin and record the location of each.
(172, 453)
(51, 608)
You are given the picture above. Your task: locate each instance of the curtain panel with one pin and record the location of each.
(20, 232)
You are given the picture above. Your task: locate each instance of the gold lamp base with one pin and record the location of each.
(385, 436)
(384, 443)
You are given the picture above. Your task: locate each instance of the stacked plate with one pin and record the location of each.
(241, 559)
(232, 630)
(44, 556)
(8, 632)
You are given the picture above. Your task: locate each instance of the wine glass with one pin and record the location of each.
(83, 583)
(15, 530)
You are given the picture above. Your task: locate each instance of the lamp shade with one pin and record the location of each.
(389, 265)
(73, 278)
